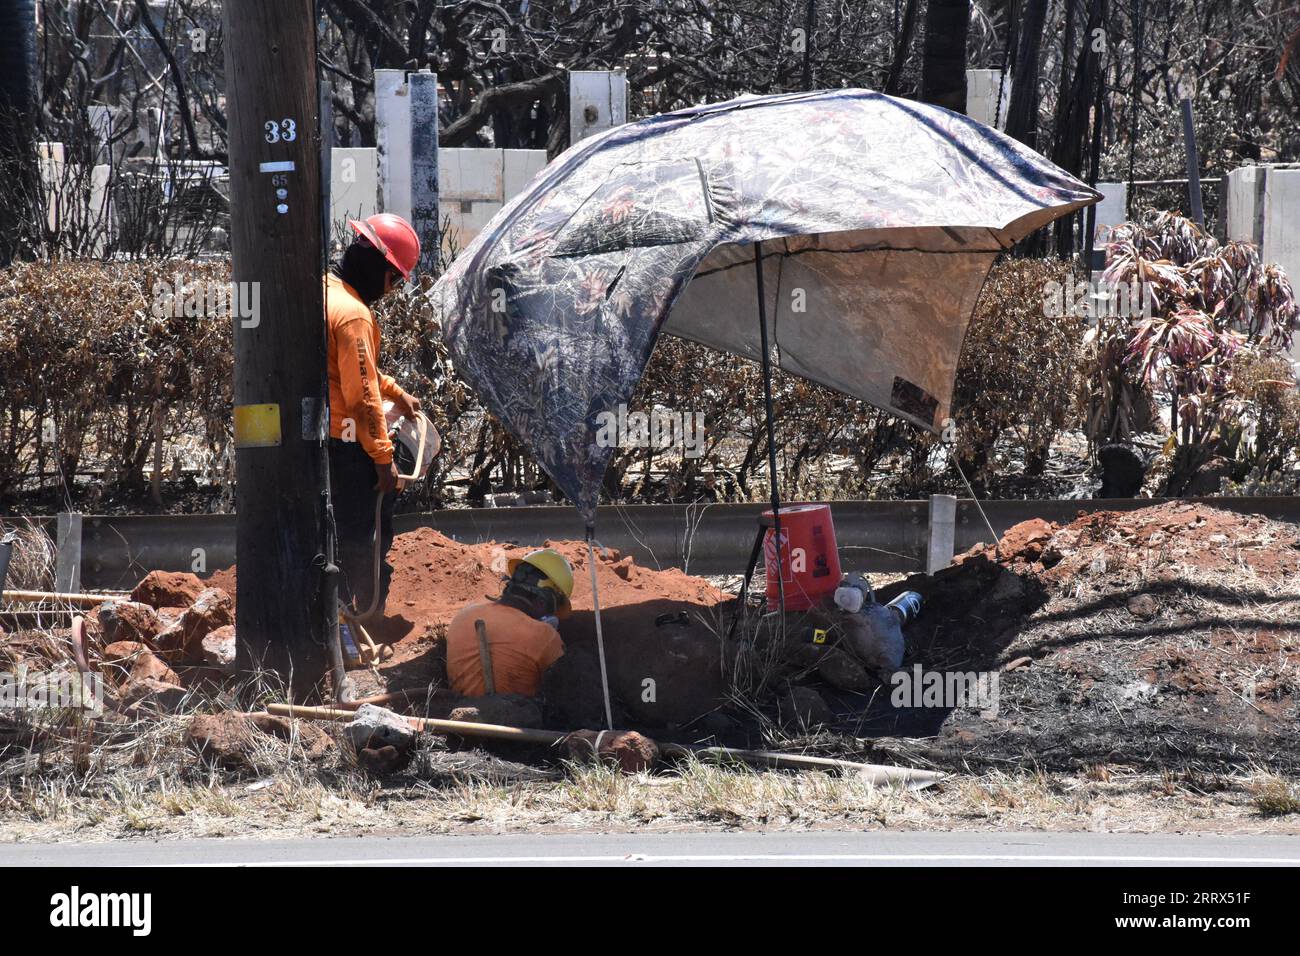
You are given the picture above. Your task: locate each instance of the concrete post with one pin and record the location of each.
(393, 136)
(423, 100)
(982, 88)
(67, 565)
(942, 533)
(597, 102)
(6, 552)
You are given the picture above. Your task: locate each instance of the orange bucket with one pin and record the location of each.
(809, 562)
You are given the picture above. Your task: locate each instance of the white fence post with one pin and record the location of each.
(942, 539)
(982, 90)
(393, 134)
(67, 564)
(597, 102)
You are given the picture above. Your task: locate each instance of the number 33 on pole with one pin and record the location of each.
(281, 131)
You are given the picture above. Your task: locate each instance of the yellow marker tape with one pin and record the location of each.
(257, 426)
(819, 635)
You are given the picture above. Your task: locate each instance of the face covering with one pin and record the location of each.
(365, 269)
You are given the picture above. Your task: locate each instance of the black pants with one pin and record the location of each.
(352, 488)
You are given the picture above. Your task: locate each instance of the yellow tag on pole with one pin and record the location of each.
(257, 426)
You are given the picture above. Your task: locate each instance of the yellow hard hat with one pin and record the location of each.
(558, 573)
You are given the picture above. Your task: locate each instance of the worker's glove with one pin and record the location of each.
(386, 477)
(550, 619)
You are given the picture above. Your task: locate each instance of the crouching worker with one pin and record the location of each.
(505, 646)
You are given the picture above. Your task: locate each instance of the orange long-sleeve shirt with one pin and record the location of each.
(522, 648)
(357, 389)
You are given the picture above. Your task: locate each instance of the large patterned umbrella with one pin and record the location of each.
(871, 221)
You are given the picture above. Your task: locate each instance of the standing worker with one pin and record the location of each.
(382, 255)
(505, 646)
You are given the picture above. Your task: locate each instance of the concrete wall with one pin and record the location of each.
(473, 185)
(1243, 220)
(354, 187)
(1263, 207)
(1112, 210)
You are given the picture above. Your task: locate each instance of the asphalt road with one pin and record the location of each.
(874, 848)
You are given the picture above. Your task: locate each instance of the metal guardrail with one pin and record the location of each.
(873, 536)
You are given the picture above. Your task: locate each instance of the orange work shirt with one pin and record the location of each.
(357, 389)
(522, 649)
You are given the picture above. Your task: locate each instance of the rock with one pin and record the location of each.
(212, 610)
(1208, 479)
(147, 665)
(1061, 545)
(127, 621)
(168, 616)
(231, 739)
(225, 739)
(1026, 541)
(383, 760)
(122, 651)
(511, 710)
(218, 649)
(1123, 471)
(803, 707)
(167, 589)
(152, 695)
(128, 661)
(376, 727)
(314, 742)
(628, 750)
(1143, 606)
(841, 670)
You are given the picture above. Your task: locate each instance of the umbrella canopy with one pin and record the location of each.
(879, 220)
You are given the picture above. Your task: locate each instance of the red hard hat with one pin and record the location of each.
(394, 237)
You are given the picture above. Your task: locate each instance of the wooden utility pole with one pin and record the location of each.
(275, 240)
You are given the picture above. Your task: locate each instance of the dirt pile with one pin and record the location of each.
(659, 627)
(1165, 636)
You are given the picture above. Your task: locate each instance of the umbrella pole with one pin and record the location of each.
(600, 636)
(771, 426)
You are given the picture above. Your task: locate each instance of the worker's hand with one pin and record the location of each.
(408, 405)
(386, 475)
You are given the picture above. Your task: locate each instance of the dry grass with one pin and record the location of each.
(31, 566)
(117, 778)
(1275, 797)
(147, 783)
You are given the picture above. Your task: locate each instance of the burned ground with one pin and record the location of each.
(1164, 639)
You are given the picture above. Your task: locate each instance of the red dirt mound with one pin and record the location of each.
(434, 576)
